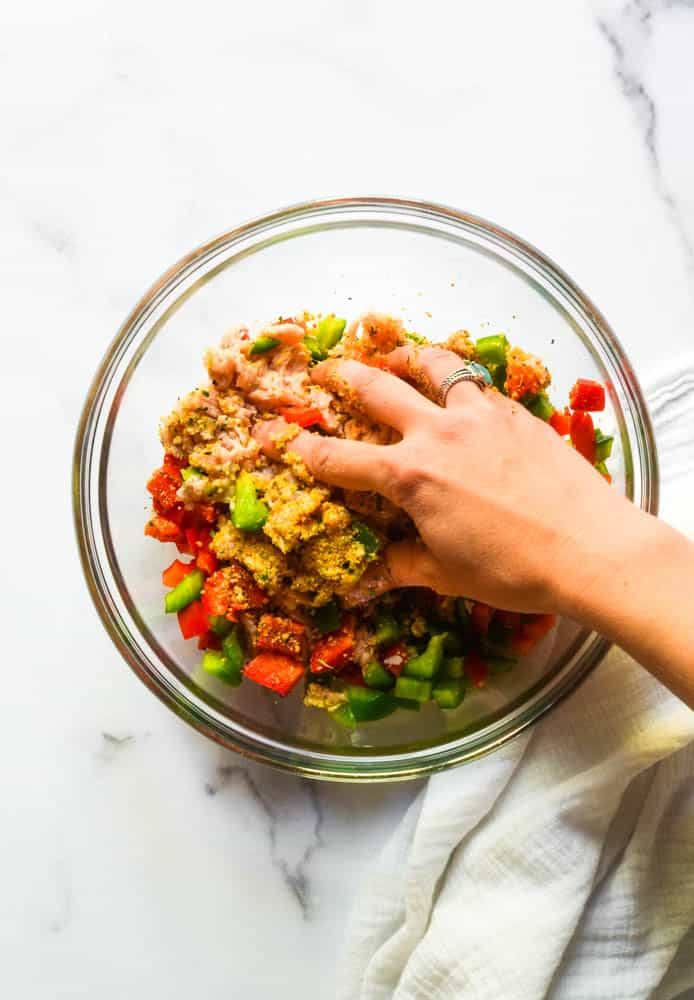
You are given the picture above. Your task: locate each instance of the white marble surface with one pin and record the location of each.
(136, 859)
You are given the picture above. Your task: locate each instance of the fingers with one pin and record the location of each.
(431, 365)
(382, 396)
(353, 465)
(404, 564)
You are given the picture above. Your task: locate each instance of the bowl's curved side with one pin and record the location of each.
(90, 469)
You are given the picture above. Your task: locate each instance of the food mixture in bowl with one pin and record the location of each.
(283, 583)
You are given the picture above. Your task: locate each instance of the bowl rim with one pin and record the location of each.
(442, 756)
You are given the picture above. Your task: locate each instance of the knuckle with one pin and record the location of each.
(320, 457)
(408, 478)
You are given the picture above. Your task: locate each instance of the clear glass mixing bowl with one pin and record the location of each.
(440, 270)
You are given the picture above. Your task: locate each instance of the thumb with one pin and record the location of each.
(403, 564)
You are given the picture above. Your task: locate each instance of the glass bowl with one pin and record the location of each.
(440, 270)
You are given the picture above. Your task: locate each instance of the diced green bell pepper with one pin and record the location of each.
(602, 469)
(189, 472)
(185, 592)
(448, 694)
(540, 406)
(261, 345)
(603, 445)
(387, 629)
(463, 614)
(344, 716)
(249, 513)
(368, 704)
(499, 377)
(217, 664)
(220, 625)
(501, 664)
(376, 676)
(368, 539)
(411, 689)
(453, 668)
(329, 332)
(231, 647)
(491, 351)
(314, 348)
(427, 664)
(453, 644)
(408, 704)
(327, 617)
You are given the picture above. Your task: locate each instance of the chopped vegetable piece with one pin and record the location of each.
(448, 694)
(330, 330)
(583, 435)
(453, 668)
(207, 562)
(368, 705)
(539, 625)
(192, 620)
(409, 704)
(344, 717)
(412, 689)
(191, 472)
(249, 513)
(602, 469)
(377, 676)
(187, 590)
(395, 657)
(387, 629)
(587, 394)
(368, 539)
(603, 445)
(561, 422)
(522, 644)
(481, 616)
(508, 619)
(314, 348)
(208, 640)
(332, 652)
(219, 625)
(476, 669)
(261, 345)
(164, 530)
(463, 613)
(280, 635)
(275, 671)
(217, 664)
(541, 407)
(231, 590)
(453, 644)
(304, 416)
(231, 647)
(427, 664)
(491, 351)
(501, 664)
(176, 572)
(326, 618)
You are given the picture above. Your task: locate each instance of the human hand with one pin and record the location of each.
(507, 512)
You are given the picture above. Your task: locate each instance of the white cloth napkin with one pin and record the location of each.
(561, 866)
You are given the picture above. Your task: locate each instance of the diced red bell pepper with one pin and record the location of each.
(198, 538)
(476, 669)
(481, 616)
(352, 675)
(304, 416)
(538, 625)
(163, 490)
(561, 422)
(587, 394)
(172, 466)
(231, 590)
(193, 620)
(280, 635)
(275, 671)
(332, 652)
(162, 529)
(394, 657)
(521, 644)
(583, 435)
(208, 640)
(182, 546)
(509, 619)
(174, 573)
(206, 561)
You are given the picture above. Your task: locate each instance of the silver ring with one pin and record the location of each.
(471, 372)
